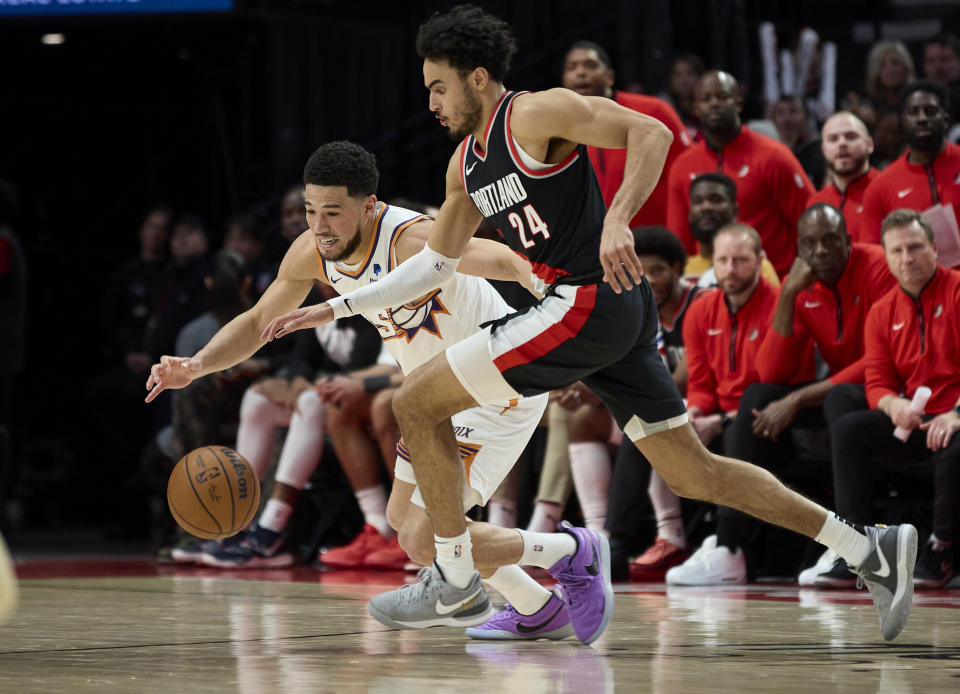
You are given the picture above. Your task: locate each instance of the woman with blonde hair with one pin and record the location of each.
(889, 68)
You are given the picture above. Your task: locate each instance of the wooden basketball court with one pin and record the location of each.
(136, 626)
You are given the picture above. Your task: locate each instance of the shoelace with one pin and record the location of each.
(424, 576)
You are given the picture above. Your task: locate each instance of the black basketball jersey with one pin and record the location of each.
(552, 215)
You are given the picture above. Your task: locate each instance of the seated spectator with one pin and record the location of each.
(889, 69)
(826, 297)
(847, 147)
(772, 188)
(911, 340)
(941, 63)
(888, 138)
(722, 334)
(713, 205)
(245, 236)
(790, 117)
(926, 176)
(587, 70)
(685, 70)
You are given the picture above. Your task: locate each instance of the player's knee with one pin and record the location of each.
(310, 405)
(254, 406)
(409, 407)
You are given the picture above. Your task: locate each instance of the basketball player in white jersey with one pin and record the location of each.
(355, 240)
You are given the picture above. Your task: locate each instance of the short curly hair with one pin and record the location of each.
(466, 37)
(661, 242)
(343, 163)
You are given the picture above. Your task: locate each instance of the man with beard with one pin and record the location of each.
(522, 165)
(587, 71)
(772, 187)
(713, 205)
(847, 147)
(722, 334)
(928, 173)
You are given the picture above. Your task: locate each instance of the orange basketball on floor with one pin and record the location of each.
(213, 492)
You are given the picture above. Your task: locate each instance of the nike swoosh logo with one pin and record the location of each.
(904, 193)
(810, 304)
(334, 281)
(594, 568)
(897, 326)
(442, 608)
(468, 169)
(884, 569)
(524, 629)
(712, 331)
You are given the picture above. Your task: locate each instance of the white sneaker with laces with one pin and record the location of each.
(710, 566)
(808, 576)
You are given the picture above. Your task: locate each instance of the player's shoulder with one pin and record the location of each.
(302, 260)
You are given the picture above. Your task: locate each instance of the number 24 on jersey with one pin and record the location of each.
(534, 225)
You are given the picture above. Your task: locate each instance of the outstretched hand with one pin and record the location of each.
(298, 319)
(621, 266)
(171, 372)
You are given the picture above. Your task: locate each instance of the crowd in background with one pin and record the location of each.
(801, 266)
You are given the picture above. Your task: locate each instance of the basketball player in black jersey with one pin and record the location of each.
(522, 165)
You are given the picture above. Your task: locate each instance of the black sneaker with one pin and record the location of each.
(839, 576)
(934, 568)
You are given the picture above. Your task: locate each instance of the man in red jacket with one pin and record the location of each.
(772, 188)
(847, 147)
(587, 70)
(826, 296)
(722, 333)
(928, 173)
(912, 339)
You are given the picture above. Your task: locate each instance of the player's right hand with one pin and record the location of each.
(298, 319)
(171, 372)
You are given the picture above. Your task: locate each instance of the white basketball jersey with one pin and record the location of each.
(416, 332)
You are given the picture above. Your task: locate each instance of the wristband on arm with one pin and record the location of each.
(372, 384)
(419, 275)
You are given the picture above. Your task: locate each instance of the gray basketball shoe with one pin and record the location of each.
(888, 574)
(432, 602)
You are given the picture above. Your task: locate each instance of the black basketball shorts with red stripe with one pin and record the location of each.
(583, 333)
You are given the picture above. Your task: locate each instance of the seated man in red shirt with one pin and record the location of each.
(826, 297)
(847, 146)
(912, 339)
(722, 334)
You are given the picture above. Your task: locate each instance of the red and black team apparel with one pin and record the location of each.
(913, 186)
(916, 342)
(722, 347)
(551, 215)
(849, 202)
(834, 317)
(673, 334)
(581, 330)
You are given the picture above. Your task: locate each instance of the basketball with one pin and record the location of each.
(213, 492)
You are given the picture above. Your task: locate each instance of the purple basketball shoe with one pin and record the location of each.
(585, 578)
(549, 622)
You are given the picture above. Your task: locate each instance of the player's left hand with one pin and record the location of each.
(769, 422)
(940, 429)
(621, 266)
(298, 319)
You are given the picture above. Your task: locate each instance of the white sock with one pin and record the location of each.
(303, 446)
(502, 513)
(938, 544)
(275, 515)
(545, 549)
(518, 587)
(373, 503)
(844, 539)
(666, 507)
(455, 559)
(546, 515)
(257, 435)
(590, 466)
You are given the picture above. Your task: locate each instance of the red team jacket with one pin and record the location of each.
(772, 190)
(912, 186)
(834, 318)
(722, 348)
(609, 163)
(916, 342)
(849, 202)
